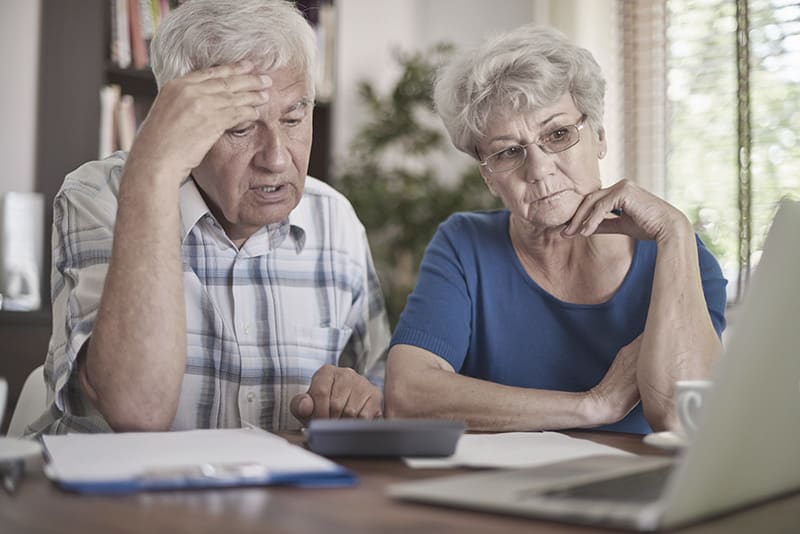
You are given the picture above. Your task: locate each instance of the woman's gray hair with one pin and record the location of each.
(523, 70)
(204, 33)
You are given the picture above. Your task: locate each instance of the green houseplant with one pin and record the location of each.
(391, 178)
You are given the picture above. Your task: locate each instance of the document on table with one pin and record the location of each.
(515, 449)
(135, 461)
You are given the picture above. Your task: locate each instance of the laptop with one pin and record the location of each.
(746, 448)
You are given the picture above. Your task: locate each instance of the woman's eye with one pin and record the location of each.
(558, 135)
(511, 152)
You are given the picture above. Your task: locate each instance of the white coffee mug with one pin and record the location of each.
(689, 396)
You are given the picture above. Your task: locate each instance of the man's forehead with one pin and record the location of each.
(289, 89)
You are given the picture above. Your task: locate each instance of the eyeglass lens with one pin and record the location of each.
(513, 157)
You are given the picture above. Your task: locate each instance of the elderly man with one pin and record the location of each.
(202, 280)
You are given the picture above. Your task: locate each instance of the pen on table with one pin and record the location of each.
(11, 473)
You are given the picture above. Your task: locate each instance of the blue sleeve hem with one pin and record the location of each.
(423, 340)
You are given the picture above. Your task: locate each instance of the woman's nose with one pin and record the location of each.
(538, 165)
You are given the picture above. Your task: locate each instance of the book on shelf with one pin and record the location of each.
(109, 101)
(118, 123)
(133, 23)
(139, 52)
(326, 47)
(321, 14)
(120, 34)
(126, 122)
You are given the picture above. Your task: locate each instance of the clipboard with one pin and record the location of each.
(214, 458)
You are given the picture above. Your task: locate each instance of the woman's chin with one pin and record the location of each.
(551, 216)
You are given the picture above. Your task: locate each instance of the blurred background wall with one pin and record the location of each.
(19, 62)
(368, 32)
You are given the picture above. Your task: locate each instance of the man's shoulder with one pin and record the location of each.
(328, 219)
(319, 197)
(96, 178)
(317, 189)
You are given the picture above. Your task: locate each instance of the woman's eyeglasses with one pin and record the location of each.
(553, 142)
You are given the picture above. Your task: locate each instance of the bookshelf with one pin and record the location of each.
(140, 83)
(74, 65)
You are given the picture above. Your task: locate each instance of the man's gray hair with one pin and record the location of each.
(523, 70)
(204, 33)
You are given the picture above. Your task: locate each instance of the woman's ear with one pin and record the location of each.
(487, 179)
(601, 143)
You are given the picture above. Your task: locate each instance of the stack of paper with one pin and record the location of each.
(515, 449)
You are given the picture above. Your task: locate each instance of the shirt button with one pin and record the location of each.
(251, 397)
(247, 328)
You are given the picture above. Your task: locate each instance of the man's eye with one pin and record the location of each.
(292, 121)
(241, 132)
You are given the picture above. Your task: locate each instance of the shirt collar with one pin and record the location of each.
(193, 208)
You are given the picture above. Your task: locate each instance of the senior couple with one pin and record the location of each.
(203, 280)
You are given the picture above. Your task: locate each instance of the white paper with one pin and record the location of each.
(126, 456)
(514, 449)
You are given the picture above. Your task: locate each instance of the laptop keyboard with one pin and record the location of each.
(638, 487)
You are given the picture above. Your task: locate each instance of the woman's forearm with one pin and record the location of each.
(419, 384)
(679, 341)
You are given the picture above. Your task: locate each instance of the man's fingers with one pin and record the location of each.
(228, 79)
(221, 71)
(237, 84)
(302, 407)
(346, 399)
(371, 409)
(343, 393)
(320, 390)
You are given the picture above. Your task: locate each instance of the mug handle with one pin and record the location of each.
(689, 404)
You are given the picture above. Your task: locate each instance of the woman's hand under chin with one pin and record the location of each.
(626, 208)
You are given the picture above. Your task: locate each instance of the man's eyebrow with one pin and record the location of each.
(302, 103)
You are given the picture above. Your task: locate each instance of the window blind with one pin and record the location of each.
(721, 121)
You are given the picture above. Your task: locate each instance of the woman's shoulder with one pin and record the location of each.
(476, 224)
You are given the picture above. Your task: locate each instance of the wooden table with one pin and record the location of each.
(40, 507)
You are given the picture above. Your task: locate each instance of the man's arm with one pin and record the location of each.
(135, 359)
(353, 388)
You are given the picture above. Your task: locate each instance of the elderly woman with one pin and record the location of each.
(576, 305)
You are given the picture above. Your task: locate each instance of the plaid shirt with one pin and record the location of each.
(260, 320)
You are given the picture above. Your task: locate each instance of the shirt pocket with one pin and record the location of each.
(314, 347)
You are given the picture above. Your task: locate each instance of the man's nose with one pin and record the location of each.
(272, 153)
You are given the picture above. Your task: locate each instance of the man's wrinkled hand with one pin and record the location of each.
(337, 393)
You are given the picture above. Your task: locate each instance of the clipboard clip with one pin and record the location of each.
(218, 472)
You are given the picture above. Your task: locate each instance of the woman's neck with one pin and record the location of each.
(586, 270)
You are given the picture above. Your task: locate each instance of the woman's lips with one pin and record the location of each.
(552, 196)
